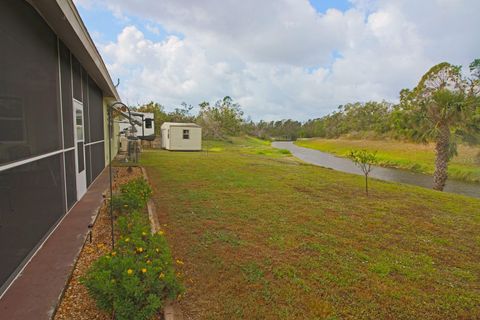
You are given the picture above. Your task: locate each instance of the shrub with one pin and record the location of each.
(284, 151)
(136, 279)
(133, 195)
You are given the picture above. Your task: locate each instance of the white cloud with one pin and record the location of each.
(281, 58)
(152, 29)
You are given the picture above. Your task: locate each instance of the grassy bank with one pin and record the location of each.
(410, 156)
(263, 236)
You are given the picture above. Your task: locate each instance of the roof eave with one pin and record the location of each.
(64, 19)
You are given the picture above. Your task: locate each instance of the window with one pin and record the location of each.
(148, 123)
(79, 124)
(186, 134)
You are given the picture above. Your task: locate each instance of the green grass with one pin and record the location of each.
(410, 156)
(264, 236)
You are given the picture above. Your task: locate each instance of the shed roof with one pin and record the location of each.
(166, 125)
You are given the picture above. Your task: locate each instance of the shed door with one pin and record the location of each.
(79, 149)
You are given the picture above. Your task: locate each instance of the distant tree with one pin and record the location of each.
(224, 118)
(182, 114)
(364, 159)
(475, 73)
(472, 133)
(230, 115)
(208, 120)
(438, 108)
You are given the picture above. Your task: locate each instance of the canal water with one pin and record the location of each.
(389, 174)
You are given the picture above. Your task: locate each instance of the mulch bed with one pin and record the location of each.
(76, 303)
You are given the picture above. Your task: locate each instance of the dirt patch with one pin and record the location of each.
(76, 303)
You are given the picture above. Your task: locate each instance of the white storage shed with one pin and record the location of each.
(181, 136)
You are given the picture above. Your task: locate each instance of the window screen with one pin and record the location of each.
(31, 201)
(29, 96)
(85, 106)
(77, 79)
(67, 103)
(95, 108)
(97, 156)
(186, 134)
(12, 121)
(80, 158)
(88, 165)
(71, 180)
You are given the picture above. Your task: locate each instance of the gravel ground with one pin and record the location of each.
(76, 303)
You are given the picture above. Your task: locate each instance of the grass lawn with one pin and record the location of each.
(263, 236)
(411, 156)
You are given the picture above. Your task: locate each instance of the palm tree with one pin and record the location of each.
(439, 105)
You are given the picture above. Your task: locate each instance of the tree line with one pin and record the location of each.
(443, 108)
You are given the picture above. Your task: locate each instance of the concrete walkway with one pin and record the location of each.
(35, 293)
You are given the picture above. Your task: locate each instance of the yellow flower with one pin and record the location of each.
(157, 250)
(144, 270)
(113, 253)
(127, 239)
(129, 271)
(140, 249)
(161, 232)
(161, 276)
(180, 262)
(144, 233)
(149, 262)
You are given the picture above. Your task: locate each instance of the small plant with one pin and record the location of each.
(133, 195)
(136, 279)
(364, 159)
(284, 151)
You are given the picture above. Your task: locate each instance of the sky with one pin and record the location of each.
(279, 59)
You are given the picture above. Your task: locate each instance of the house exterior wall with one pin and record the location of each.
(39, 81)
(177, 142)
(116, 131)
